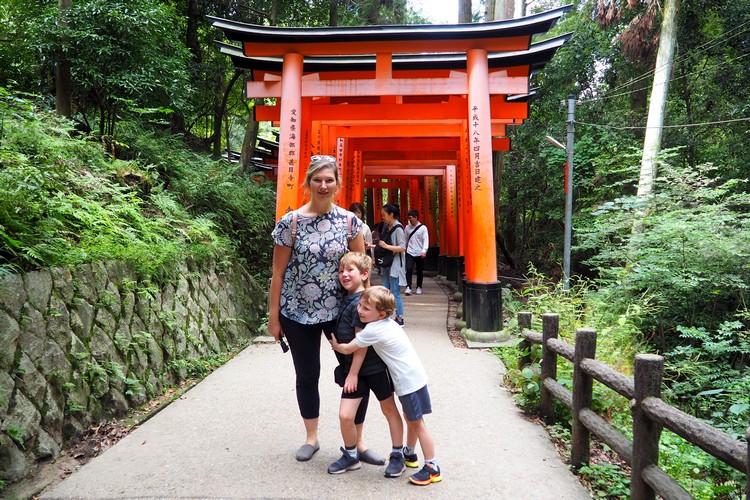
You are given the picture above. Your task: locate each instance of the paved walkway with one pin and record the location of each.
(234, 435)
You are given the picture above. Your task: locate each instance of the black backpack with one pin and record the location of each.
(383, 257)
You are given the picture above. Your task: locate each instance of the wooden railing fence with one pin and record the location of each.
(650, 413)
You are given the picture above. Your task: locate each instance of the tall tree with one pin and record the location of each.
(63, 83)
(464, 11)
(659, 91)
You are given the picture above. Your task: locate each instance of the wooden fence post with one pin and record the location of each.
(524, 323)
(580, 449)
(646, 433)
(550, 329)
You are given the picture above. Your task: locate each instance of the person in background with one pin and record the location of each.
(305, 296)
(417, 242)
(358, 210)
(395, 275)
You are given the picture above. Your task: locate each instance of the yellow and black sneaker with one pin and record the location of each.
(411, 460)
(427, 475)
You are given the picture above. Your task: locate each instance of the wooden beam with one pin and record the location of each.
(386, 154)
(373, 171)
(415, 144)
(500, 82)
(276, 47)
(455, 110)
(399, 131)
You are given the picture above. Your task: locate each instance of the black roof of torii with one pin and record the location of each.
(524, 26)
(273, 41)
(537, 56)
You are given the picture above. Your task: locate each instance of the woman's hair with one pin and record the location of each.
(392, 209)
(380, 298)
(359, 260)
(357, 207)
(318, 163)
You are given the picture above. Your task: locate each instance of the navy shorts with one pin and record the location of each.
(416, 404)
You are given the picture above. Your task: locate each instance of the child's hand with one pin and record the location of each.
(350, 385)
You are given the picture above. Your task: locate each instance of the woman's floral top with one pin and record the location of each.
(310, 292)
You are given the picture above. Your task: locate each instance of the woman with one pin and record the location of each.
(358, 210)
(305, 296)
(394, 276)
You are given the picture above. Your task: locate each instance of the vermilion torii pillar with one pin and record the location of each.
(420, 81)
(290, 140)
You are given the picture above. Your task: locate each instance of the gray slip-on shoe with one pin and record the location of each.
(370, 457)
(306, 451)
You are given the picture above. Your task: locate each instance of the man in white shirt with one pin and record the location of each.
(417, 241)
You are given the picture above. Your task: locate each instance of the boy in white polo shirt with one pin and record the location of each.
(376, 304)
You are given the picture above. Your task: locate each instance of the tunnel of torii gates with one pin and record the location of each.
(416, 110)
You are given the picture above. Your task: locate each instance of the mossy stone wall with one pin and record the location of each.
(79, 346)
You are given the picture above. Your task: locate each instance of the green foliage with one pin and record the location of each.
(17, 434)
(238, 205)
(123, 55)
(690, 258)
(63, 203)
(73, 407)
(709, 374)
(702, 475)
(606, 480)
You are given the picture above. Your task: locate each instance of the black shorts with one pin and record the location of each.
(379, 383)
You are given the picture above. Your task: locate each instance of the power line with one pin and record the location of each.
(687, 125)
(628, 92)
(735, 32)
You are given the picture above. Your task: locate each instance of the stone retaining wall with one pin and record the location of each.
(83, 345)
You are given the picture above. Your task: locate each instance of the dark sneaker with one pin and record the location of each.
(400, 320)
(426, 476)
(395, 465)
(345, 463)
(411, 460)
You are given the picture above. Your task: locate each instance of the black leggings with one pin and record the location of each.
(304, 343)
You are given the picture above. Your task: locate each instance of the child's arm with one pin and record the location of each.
(350, 385)
(343, 348)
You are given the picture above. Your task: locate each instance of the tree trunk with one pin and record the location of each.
(464, 11)
(191, 31)
(274, 13)
(220, 111)
(504, 10)
(218, 115)
(489, 10)
(248, 143)
(63, 82)
(659, 89)
(333, 13)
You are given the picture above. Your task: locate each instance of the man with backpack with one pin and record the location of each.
(417, 241)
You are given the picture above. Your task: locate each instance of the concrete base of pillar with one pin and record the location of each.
(485, 337)
(486, 340)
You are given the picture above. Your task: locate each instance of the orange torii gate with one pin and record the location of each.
(446, 85)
